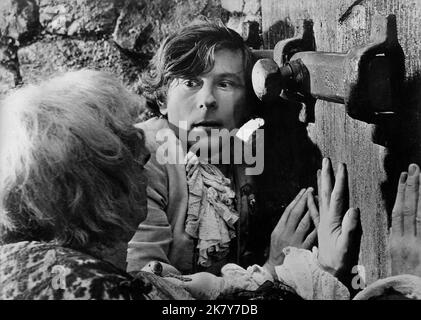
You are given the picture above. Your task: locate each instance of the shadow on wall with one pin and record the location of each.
(291, 163)
(291, 158)
(405, 138)
(280, 30)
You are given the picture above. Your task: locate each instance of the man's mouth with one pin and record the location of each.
(207, 124)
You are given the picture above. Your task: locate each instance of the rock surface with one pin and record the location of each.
(18, 19)
(9, 65)
(119, 36)
(78, 17)
(7, 81)
(49, 56)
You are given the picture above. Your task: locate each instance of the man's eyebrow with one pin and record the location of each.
(238, 76)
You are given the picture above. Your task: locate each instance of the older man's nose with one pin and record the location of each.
(206, 98)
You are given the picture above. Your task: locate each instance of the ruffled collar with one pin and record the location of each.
(211, 213)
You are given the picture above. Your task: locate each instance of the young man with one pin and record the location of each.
(199, 213)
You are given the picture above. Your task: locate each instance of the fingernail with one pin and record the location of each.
(325, 161)
(412, 169)
(403, 177)
(310, 190)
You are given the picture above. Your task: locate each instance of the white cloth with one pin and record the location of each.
(302, 272)
(237, 278)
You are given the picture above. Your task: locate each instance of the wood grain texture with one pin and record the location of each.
(373, 169)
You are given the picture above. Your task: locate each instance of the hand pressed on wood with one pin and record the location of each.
(294, 229)
(406, 224)
(339, 231)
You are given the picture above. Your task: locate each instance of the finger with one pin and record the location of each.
(298, 211)
(304, 226)
(188, 167)
(310, 240)
(411, 199)
(191, 157)
(175, 281)
(285, 214)
(339, 196)
(351, 230)
(397, 211)
(312, 208)
(193, 168)
(418, 218)
(326, 183)
(189, 174)
(319, 188)
(187, 159)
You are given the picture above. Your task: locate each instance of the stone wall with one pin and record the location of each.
(39, 38)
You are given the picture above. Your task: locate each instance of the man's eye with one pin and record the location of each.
(190, 83)
(226, 84)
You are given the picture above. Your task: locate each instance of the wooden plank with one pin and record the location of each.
(373, 169)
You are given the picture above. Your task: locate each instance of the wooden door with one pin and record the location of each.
(373, 169)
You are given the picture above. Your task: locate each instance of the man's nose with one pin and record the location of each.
(206, 98)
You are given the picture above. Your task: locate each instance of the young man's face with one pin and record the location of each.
(215, 100)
